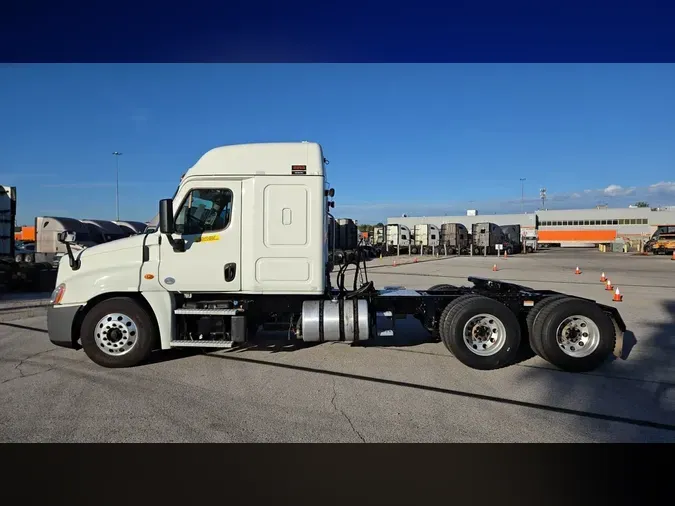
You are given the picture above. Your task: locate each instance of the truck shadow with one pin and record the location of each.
(640, 383)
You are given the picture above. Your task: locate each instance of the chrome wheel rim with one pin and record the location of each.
(484, 334)
(578, 336)
(116, 334)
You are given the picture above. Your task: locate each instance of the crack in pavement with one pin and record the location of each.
(332, 401)
(22, 374)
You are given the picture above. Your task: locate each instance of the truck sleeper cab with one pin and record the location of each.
(244, 244)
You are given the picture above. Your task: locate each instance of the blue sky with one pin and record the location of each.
(416, 139)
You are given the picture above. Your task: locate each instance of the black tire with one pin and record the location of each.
(441, 287)
(146, 334)
(458, 313)
(18, 258)
(509, 250)
(532, 316)
(554, 314)
(436, 333)
(413, 250)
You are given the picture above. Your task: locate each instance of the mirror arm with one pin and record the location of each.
(75, 263)
(178, 245)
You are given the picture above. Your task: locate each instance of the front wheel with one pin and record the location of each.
(118, 332)
(575, 335)
(480, 332)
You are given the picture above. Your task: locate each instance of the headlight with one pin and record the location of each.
(57, 294)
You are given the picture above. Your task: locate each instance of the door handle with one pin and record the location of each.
(230, 272)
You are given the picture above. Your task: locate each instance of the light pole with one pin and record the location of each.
(117, 155)
(542, 196)
(522, 194)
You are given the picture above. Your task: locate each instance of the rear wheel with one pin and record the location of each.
(480, 332)
(118, 332)
(535, 339)
(575, 335)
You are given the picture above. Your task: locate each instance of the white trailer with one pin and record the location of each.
(243, 245)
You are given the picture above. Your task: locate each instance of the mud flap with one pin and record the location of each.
(618, 346)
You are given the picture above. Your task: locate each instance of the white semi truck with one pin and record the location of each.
(243, 243)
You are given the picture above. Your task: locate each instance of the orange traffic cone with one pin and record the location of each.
(415, 261)
(506, 254)
(673, 257)
(577, 271)
(603, 278)
(617, 296)
(394, 264)
(494, 267)
(609, 285)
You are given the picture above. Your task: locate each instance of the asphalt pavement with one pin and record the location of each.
(404, 389)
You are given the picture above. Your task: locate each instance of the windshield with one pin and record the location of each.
(663, 229)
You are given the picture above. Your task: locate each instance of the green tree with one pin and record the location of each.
(641, 204)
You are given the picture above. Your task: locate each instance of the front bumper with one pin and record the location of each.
(60, 325)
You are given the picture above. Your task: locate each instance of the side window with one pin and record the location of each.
(205, 210)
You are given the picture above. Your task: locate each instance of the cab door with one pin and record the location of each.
(208, 219)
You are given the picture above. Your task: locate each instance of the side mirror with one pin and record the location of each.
(166, 224)
(67, 237)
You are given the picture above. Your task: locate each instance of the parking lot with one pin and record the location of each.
(404, 389)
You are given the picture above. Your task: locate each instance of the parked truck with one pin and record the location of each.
(530, 240)
(16, 275)
(243, 245)
(455, 239)
(101, 231)
(426, 238)
(48, 249)
(512, 241)
(343, 239)
(399, 239)
(485, 237)
(132, 227)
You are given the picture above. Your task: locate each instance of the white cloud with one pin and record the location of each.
(615, 190)
(662, 187)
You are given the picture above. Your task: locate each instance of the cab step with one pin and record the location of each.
(202, 344)
(209, 312)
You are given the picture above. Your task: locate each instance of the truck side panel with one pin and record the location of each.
(283, 234)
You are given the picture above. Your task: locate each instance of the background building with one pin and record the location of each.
(571, 227)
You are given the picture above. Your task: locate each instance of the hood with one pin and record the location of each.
(131, 242)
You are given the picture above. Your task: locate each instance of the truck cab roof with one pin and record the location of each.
(273, 158)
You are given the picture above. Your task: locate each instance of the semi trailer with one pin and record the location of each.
(243, 245)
